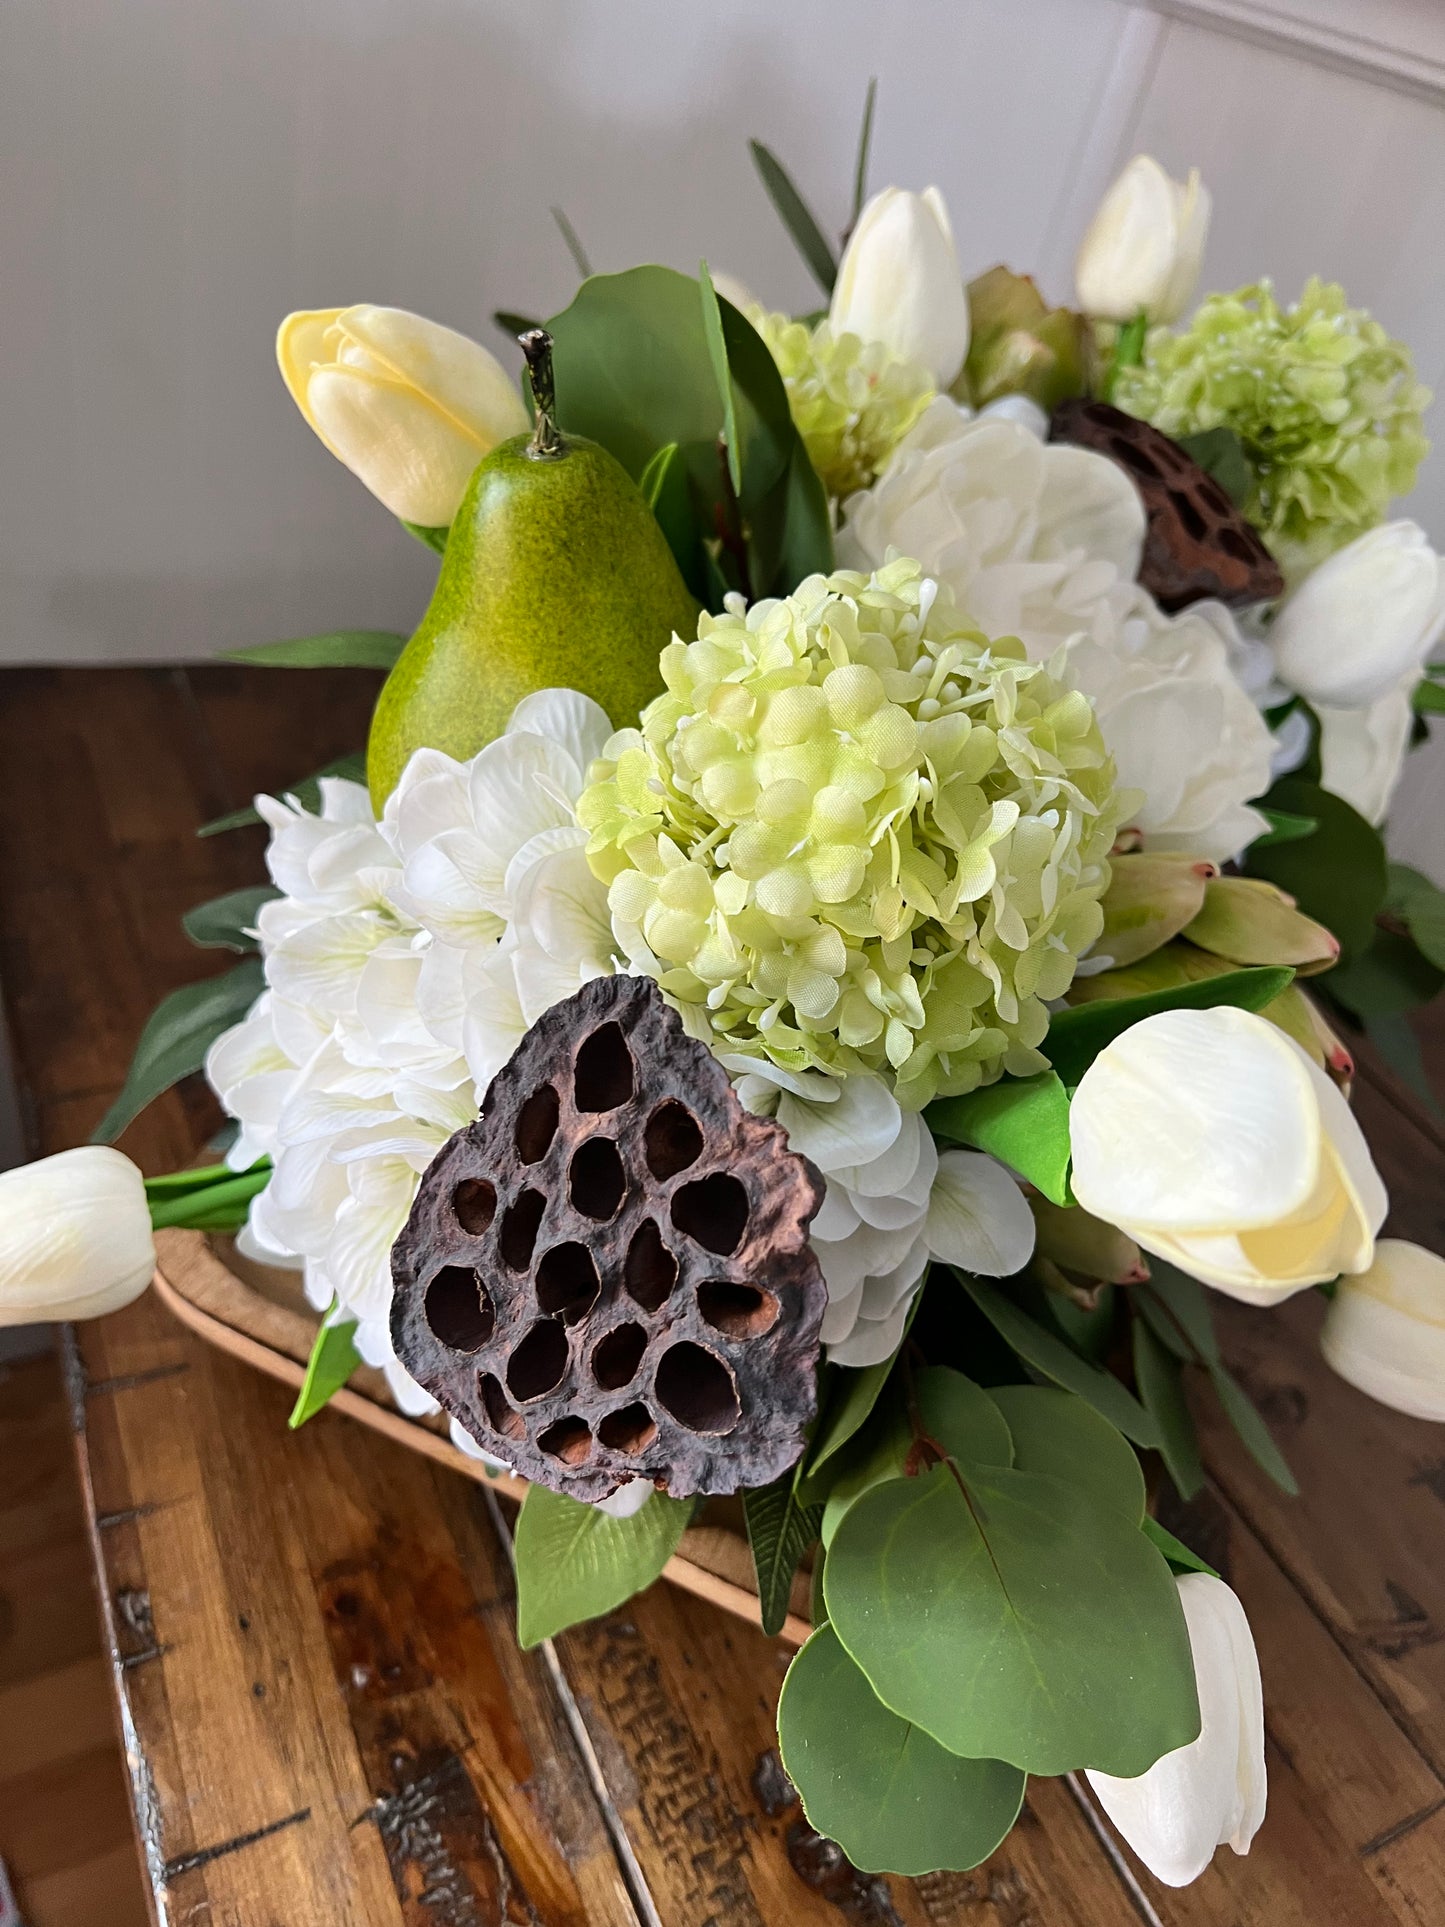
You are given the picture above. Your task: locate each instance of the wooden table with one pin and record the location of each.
(326, 1717)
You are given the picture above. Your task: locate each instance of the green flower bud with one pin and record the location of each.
(1150, 899)
(1249, 921)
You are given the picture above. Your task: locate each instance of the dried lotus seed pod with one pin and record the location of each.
(608, 1275)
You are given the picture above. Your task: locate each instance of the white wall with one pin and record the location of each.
(174, 177)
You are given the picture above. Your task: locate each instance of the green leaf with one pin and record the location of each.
(717, 349)
(1048, 1354)
(1180, 1558)
(220, 1199)
(780, 1531)
(893, 1799)
(225, 923)
(1420, 906)
(307, 793)
(177, 1035)
(852, 1393)
(1338, 875)
(342, 649)
(1240, 1411)
(1076, 1036)
(1023, 1122)
(1395, 1040)
(1159, 1376)
(575, 1561)
(1058, 1433)
(1429, 698)
(435, 539)
(514, 324)
(333, 1359)
(1284, 828)
(860, 165)
(1219, 453)
(572, 243)
(1013, 1619)
(1389, 978)
(793, 212)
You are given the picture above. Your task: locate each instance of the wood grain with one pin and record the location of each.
(310, 1634)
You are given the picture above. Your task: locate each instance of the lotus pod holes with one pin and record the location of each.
(608, 1275)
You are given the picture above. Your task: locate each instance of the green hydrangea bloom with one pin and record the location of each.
(853, 401)
(854, 834)
(1324, 402)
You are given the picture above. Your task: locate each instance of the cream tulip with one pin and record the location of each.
(75, 1236)
(1364, 620)
(1385, 1329)
(1210, 1793)
(1362, 751)
(409, 406)
(1213, 1140)
(898, 282)
(1142, 250)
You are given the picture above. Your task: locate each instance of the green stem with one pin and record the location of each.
(1128, 350)
(207, 1205)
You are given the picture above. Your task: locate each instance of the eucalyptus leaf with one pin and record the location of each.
(1396, 1042)
(1392, 976)
(780, 1531)
(1023, 1122)
(1220, 453)
(1014, 1619)
(307, 792)
(575, 1561)
(1420, 905)
(795, 216)
(893, 1799)
(1058, 1433)
(226, 923)
(1076, 1036)
(1159, 1376)
(1337, 876)
(1049, 1354)
(333, 1359)
(1180, 1558)
(177, 1035)
(341, 649)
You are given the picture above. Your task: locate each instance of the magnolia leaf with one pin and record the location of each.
(226, 923)
(342, 649)
(1058, 1433)
(1159, 1376)
(177, 1035)
(1180, 1558)
(1013, 1618)
(717, 350)
(1023, 1122)
(1337, 875)
(1076, 1036)
(893, 1799)
(333, 1359)
(1284, 828)
(1049, 1354)
(807, 236)
(307, 792)
(780, 1531)
(575, 1561)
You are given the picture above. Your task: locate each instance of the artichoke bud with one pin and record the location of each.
(1071, 1240)
(1248, 921)
(1150, 899)
(1020, 346)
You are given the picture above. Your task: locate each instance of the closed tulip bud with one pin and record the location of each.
(1215, 1142)
(1362, 751)
(1385, 1329)
(1364, 620)
(409, 406)
(1142, 251)
(75, 1237)
(1149, 900)
(1249, 921)
(1210, 1793)
(898, 283)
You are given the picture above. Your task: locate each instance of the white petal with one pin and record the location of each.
(978, 1218)
(1385, 1329)
(565, 717)
(858, 1126)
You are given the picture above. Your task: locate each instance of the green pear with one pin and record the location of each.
(555, 575)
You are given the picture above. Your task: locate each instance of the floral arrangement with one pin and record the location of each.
(805, 1000)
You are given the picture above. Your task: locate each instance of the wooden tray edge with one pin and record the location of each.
(679, 1570)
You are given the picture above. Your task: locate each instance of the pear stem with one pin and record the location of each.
(546, 443)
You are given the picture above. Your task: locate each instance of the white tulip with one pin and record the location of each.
(1364, 620)
(1142, 250)
(1215, 1142)
(898, 282)
(1362, 751)
(1385, 1329)
(409, 406)
(75, 1236)
(1210, 1793)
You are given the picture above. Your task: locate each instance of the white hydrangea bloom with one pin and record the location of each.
(1042, 541)
(892, 1203)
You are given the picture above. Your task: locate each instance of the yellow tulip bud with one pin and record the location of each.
(409, 406)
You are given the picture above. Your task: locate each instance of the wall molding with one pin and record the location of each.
(1394, 43)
